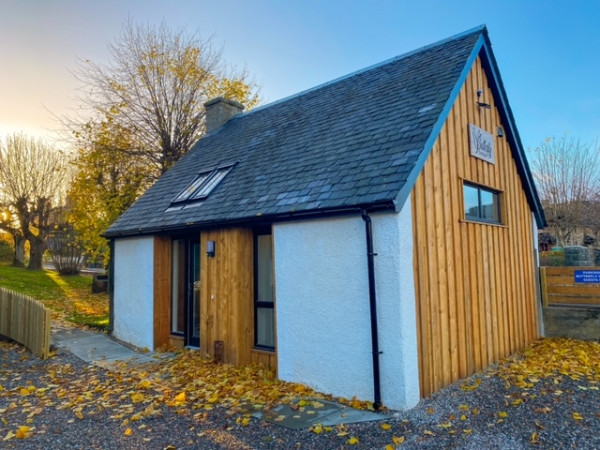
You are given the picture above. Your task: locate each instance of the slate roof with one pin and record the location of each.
(356, 142)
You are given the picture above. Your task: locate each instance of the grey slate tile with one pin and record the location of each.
(346, 143)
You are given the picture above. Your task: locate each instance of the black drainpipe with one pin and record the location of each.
(373, 307)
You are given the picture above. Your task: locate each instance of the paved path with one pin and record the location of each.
(95, 347)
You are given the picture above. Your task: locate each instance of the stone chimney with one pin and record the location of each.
(219, 110)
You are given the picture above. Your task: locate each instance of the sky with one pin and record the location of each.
(547, 51)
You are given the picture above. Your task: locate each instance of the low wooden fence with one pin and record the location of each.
(26, 321)
(570, 286)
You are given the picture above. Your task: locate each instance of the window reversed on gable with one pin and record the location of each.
(203, 184)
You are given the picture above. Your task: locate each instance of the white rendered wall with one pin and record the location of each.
(323, 318)
(134, 291)
(536, 243)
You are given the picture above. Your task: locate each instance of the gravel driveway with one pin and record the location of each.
(493, 409)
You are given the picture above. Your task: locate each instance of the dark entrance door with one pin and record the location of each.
(192, 332)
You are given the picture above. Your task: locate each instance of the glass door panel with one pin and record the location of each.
(193, 325)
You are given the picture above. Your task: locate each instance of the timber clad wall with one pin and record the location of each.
(226, 296)
(227, 299)
(162, 290)
(475, 283)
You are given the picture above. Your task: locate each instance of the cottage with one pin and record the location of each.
(373, 237)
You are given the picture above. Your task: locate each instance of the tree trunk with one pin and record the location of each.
(19, 252)
(36, 253)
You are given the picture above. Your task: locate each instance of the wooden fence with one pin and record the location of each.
(26, 321)
(570, 286)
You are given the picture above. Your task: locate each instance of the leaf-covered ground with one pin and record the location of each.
(546, 397)
(68, 297)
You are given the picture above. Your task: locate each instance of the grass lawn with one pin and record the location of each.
(69, 297)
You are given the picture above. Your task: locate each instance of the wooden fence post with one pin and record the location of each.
(544, 284)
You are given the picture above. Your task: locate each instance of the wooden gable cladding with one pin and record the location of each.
(227, 294)
(475, 282)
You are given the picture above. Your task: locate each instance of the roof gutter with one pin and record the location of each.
(373, 310)
(388, 205)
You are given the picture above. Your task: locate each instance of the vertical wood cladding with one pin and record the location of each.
(475, 283)
(227, 294)
(162, 291)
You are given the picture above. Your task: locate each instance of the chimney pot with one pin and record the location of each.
(219, 110)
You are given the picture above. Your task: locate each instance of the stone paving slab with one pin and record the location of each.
(96, 348)
(315, 412)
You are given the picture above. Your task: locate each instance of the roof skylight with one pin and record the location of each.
(203, 184)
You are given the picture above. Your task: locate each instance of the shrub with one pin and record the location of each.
(552, 258)
(6, 251)
(66, 252)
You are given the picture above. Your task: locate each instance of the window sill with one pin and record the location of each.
(483, 222)
(269, 351)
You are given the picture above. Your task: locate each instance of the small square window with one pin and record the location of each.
(202, 185)
(482, 204)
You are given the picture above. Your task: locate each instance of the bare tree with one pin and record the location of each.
(567, 177)
(31, 184)
(155, 87)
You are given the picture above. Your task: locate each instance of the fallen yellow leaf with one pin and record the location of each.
(577, 416)
(398, 440)
(9, 436)
(352, 441)
(385, 426)
(535, 438)
(137, 397)
(23, 432)
(128, 432)
(317, 429)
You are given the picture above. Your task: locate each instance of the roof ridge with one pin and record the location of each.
(477, 29)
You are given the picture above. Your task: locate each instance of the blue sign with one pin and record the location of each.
(587, 276)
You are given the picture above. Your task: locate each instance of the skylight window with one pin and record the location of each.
(203, 184)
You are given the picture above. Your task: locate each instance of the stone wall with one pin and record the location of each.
(578, 255)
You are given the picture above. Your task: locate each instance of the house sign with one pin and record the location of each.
(482, 144)
(587, 276)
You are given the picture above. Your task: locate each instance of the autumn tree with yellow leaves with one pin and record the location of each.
(108, 179)
(147, 110)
